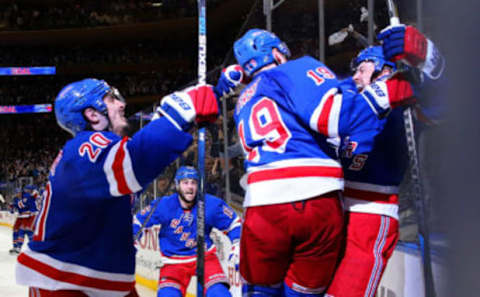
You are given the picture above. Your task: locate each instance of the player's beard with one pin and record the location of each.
(184, 199)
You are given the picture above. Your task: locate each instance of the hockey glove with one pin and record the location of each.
(404, 42)
(383, 95)
(195, 103)
(229, 80)
(408, 44)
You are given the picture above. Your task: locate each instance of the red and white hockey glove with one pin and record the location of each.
(406, 43)
(229, 80)
(195, 103)
(383, 95)
(402, 42)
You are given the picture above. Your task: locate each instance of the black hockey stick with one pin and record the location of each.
(202, 73)
(418, 193)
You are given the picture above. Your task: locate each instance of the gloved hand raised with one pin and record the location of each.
(195, 103)
(387, 93)
(229, 80)
(406, 43)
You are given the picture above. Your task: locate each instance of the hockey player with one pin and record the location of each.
(289, 120)
(177, 214)
(24, 204)
(13, 208)
(372, 179)
(31, 197)
(82, 244)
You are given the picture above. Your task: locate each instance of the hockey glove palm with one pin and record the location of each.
(229, 80)
(195, 103)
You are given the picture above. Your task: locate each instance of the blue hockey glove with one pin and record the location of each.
(229, 80)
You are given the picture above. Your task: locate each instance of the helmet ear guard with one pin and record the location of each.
(254, 50)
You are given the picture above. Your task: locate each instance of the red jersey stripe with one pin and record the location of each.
(371, 196)
(74, 278)
(322, 124)
(292, 172)
(118, 170)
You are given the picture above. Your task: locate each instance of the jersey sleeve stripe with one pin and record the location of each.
(292, 172)
(334, 118)
(119, 172)
(39, 234)
(324, 118)
(322, 124)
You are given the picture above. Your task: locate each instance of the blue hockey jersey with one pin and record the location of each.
(83, 236)
(372, 179)
(178, 232)
(290, 120)
(25, 205)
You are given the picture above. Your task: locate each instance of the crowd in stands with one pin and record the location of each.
(61, 14)
(29, 145)
(39, 90)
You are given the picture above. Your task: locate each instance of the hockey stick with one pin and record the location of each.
(339, 36)
(416, 181)
(202, 77)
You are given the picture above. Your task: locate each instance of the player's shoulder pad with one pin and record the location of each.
(168, 198)
(295, 67)
(214, 199)
(304, 77)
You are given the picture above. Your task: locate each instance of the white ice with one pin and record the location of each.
(8, 287)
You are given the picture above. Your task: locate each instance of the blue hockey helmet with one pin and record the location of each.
(74, 98)
(372, 54)
(254, 49)
(186, 172)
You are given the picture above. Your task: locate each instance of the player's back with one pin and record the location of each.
(273, 117)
